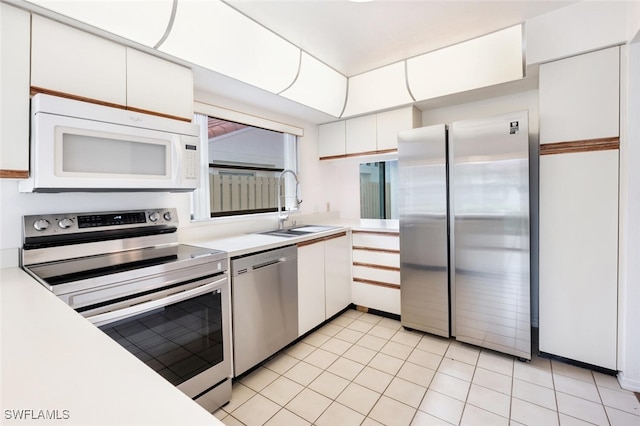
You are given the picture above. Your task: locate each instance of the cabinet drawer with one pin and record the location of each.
(378, 275)
(382, 241)
(376, 258)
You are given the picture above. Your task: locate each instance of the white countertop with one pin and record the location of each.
(54, 362)
(53, 359)
(238, 245)
(250, 243)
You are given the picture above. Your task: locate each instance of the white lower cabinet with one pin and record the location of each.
(311, 298)
(376, 270)
(324, 280)
(337, 277)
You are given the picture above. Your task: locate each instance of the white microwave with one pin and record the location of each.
(79, 146)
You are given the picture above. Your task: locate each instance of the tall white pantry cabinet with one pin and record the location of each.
(579, 158)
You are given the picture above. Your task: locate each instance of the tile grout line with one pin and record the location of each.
(466, 399)
(430, 381)
(513, 381)
(555, 392)
(606, 413)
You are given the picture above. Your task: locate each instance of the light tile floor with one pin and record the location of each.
(363, 369)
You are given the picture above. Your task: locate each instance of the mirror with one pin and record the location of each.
(378, 190)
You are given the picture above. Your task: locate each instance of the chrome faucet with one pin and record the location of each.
(284, 215)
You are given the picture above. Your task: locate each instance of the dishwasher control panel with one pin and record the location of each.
(253, 261)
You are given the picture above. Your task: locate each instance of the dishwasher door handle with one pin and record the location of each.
(269, 263)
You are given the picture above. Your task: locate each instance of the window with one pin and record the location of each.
(378, 188)
(241, 169)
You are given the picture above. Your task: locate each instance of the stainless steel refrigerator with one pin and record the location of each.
(464, 231)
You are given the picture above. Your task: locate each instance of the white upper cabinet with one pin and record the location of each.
(67, 60)
(485, 61)
(217, 37)
(579, 97)
(389, 123)
(318, 86)
(144, 22)
(361, 134)
(154, 84)
(368, 134)
(580, 27)
(14, 86)
(331, 139)
(379, 89)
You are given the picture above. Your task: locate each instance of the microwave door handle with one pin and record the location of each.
(112, 316)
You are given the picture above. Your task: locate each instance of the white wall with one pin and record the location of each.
(629, 280)
(13, 204)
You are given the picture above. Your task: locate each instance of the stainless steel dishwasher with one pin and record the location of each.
(264, 293)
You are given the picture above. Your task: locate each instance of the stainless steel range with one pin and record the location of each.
(124, 271)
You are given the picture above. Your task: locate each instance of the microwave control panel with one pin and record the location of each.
(191, 161)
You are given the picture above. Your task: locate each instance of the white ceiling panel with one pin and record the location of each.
(142, 21)
(355, 37)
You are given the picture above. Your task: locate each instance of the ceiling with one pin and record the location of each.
(354, 37)
(350, 37)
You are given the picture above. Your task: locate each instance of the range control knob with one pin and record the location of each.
(41, 224)
(153, 217)
(167, 216)
(65, 223)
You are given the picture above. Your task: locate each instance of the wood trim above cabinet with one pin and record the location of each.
(321, 239)
(601, 144)
(393, 233)
(377, 283)
(14, 174)
(357, 154)
(35, 90)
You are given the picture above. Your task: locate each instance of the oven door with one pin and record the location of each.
(182, 332)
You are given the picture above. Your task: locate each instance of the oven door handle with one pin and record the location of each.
(113, 316)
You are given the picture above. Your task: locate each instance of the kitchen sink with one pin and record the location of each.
(297, 231)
